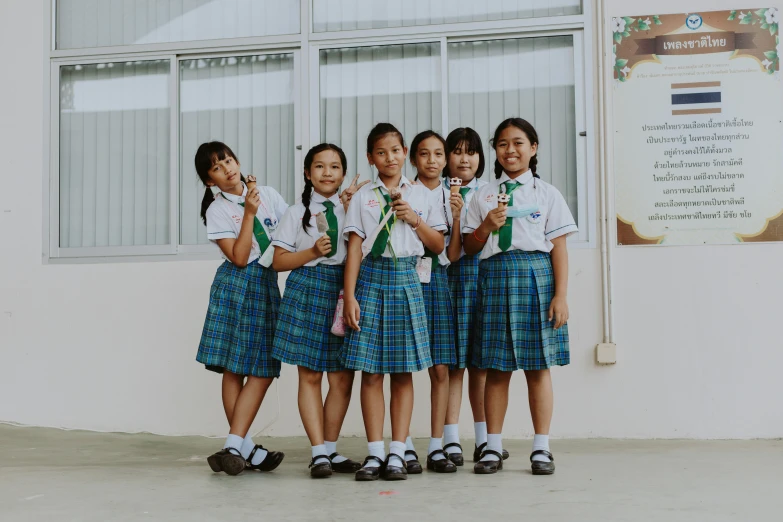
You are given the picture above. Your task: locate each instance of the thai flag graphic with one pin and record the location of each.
(696, 98)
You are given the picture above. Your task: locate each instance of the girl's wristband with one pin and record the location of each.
(475, 236)
(418, 223)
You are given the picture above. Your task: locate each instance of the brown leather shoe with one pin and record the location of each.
(542, 468)
(443, 465)
(488, 467)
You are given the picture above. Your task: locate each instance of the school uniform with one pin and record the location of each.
(463, 280)
(437, 295)
(393, 336)
(243, 302)
(516, 282)
(303, 336)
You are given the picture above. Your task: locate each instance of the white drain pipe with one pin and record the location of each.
(606, 351)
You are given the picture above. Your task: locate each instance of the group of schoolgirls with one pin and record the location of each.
(444, 272)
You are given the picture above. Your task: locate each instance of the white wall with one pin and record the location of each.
(112, 346)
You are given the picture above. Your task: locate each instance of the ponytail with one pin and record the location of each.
(209, 197)
(306, 194)
(531, 134)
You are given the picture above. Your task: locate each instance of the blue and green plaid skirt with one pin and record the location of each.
(393, 336)
(463, 280)
(513, 331)
(240, 324)
(303, 336)
(440, 317)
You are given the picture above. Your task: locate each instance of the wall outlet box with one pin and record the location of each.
(606, 353)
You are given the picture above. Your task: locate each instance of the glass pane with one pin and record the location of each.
(104, 23)
(114, 154)
(532, 78)
(352, 15)
(362, 86)
(246, 102)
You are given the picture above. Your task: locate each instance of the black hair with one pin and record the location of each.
(308, 188)
(417, 141)
(379, 131)
(468, 138)
(206, 156)
(526, 127)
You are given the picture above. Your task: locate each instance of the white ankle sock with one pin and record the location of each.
(234, 441)
(436, 444)
(451, 435)
(331, 447)
(247, 448)
(495, 443)
(397, 453)
(408, 447)
(375, 449)
(319, 450)
(481, 432)
(541, 442)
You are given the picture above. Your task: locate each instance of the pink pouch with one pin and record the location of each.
(338, 324)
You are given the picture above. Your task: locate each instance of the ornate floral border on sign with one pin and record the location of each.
(753, 33)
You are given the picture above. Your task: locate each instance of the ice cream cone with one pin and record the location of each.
(454, 185)
(503, 200)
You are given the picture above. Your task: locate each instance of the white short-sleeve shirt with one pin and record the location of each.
(224, 217)
(364, 215)
(473, 185)
(545, 215)
(292, 237)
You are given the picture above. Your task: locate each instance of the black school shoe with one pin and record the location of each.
(232, 462)
(270, 462)
(478, 449)
(369, 474)
(542, 468)
(389, 472)
(443, 465)
(456, 457)
(320, 470)
(215, 460)
(413, 466)
(346, 466)
(488, 467)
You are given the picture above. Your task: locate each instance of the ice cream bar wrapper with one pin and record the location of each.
(321, 223)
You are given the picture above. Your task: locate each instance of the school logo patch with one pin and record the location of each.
(489, 198)
(372, 203)
(270, 224)
(535, 217)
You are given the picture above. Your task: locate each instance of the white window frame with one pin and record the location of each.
(306, 47)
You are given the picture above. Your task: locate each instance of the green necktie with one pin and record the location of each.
(464, 192)
(260, 233)
(383, 237)
(331, 218)
(432, 255)
(504, 242)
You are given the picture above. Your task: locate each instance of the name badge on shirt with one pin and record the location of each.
(424, 269)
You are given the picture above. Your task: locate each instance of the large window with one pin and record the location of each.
(246, 102)
(114, 154)
(138, 85)
(110, 23)
(362, 86)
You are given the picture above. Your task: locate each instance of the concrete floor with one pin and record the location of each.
(57, 475)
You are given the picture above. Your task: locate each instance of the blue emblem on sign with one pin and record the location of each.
(693, 21)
